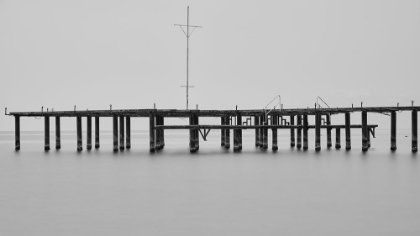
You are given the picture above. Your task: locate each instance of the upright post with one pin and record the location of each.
(162, 132)
(227, 133)
(236, 137)
(79, 133)
(414, 131)
(152, 146)
(292, 131)
(57, 133)
(305, 132)
(158, 133)
(257, 131)
(348, 136)
(318, 131)
(329, 143)
(365, 132)
(47, 133)
(192, 134)
(196, 133)
(393, 130)
(89, 133)
(97, 145)
(115, 131)
(368, 137)
(128, 132)
(121, 132)
(337, 138)
(299, 132)
(17, 133)
(274, 121)
(222, 132)
(265, 132)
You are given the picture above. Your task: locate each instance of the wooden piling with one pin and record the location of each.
(162, 133)
(97, 145)
(240, 131)
(222, 132)
(265, 132)
(414, 131)
(158, 133)
(299, 132)
(393, 130)
(115, 132)
(329, 142)
(337, 138)
(365, 132)
(79, 133)
(57, 133)
(122, 132)
(196, 133)
(274, 121)
(17, 133)
(227, 133)
(348, 135)
(236, 137)
(292, 131)
(257, 131)
(192, 134)
(305, 132)
(368, 137)
(317, 131)
(128, 132)
(152, 146)
(47, 133)
(89, 133)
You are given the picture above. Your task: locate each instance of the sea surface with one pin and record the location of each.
(213, 192)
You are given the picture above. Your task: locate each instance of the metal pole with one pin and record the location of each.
(188, 36)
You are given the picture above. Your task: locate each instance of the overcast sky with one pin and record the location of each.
(128, 53)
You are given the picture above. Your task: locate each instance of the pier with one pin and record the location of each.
(260, 120)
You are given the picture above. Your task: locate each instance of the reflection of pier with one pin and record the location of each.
(236, 120)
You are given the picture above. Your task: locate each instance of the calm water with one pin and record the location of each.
(215, 192)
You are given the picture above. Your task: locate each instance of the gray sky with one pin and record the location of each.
(92, 53)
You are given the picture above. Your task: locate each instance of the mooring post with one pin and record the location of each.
(299, 132)
(318, 131)
(97, 145)
(274, 121)
(196, 133)
(414, 131)
(337, 138)
(79, 133)
(257, 132)
(227, 133)
(328, 119)
(393, 130)
(265, 132)
(121, 132)
(115, 131)
(305, 132)
(128, 132)
(89, 133)
(152, 146)
(57, 133)
(348, 137)
(47, 133)
(365, 132)
(292, 131)
(17, 133)
(222, 132)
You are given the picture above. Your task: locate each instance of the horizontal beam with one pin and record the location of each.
(254, 126)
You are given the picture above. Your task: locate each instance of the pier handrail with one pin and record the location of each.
(322, 101)
(280, 105)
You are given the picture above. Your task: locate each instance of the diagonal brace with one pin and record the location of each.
(205, 133)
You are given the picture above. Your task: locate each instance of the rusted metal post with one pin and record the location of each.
(329, 142)
(115, 132)
(152, 143)
(89, 133)
(47, 133)
(414, 131)
(305, 132)
(57, 133)
(365, 132)
(348, 135)
(227, 133)
(17, 133)
(299, 132)
(79, 133)
(317, 131)
(337, 138)
(274, 121)
(257, 131)
(97, 145)
(121, 132)
(292, 131)
(393, 130)
(128, 132)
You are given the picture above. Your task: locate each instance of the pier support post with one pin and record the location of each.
(317, 131)
(393, 130)
(196, 133)
(47, 133)
(115, 132)
(274, 121)
(305, 132)
(329, 142)
(89, 133)
(79, 133)
(414, 131)
(192, 134)
(158, 133)
(257, 131)
(222, 132)
(97, 145)
(57, 133)
(237, 139)
(227, 133)
(337, 138)
(121, 132)
(128, 132)
(292, 131)
(348, 135)
(365, 132)
(162, 132)
(299, 132)
(265, 132)
(152, 146)
(17, 133)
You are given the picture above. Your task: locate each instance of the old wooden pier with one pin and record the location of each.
(237, 120)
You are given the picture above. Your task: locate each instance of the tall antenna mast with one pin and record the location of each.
(188, 34)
